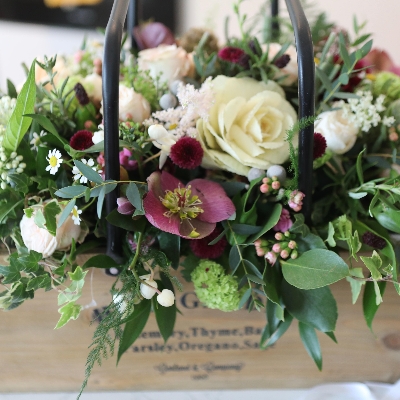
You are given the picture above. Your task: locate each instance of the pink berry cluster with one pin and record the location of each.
(270, 185)
(296, 200)
(285, 247)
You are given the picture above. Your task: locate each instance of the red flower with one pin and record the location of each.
(81, 140)
(234, 55)
(190, 211)
(187, 153)
(202, 249)
(319, 145)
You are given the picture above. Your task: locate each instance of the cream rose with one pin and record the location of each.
(339, 132)
(40, 240)
(290, 71)
(132, 106)
(247, 125)
(168, 62)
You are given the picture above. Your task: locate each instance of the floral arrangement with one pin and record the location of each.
(208, 188)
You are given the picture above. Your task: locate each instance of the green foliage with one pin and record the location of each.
(314, 269)
(311, 343)
(372, 299)
(18, 124)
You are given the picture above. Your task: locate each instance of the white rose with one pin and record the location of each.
(163, 140)
(168, 62)
(132, 106)
(40, 240)
(93, 86)
(339, 132)
(247, 125)
(290, 71)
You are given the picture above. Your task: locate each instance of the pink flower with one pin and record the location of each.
(190, 211)
(296, 200)
(379, 60)
(126, 161)
(152, 34)
(271, 257)
(124, 206)
(284, 223)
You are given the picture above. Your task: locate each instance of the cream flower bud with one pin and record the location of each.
(166, 298)
(145, 290)
(132, 106)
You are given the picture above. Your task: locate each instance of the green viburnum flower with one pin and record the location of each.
(214, 288)
(387, 83)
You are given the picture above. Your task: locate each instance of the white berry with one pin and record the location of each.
(166, 298)
(278, 171)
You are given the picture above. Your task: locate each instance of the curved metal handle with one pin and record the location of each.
(306, 66)
(112, 49)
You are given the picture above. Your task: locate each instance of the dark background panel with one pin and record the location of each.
(35, 11)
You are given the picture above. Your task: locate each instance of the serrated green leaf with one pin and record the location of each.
(134, 326)
(311, 343)
(18, 124)
(20, 182)
(315, 307)
(29, 262)
(39, 219)
(39, 282)
(50, 212)
(374, 264)
(68, 312)
(88, 172)
(10, 272)
(314, 269)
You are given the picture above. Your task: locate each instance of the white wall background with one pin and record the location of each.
(22, 42)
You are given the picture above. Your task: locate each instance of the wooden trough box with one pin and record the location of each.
(209, 349)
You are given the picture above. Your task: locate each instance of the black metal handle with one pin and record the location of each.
(111, 63)
(306, 66)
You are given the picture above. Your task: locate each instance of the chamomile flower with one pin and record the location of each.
(78, 175)
(76, 215)
(54, 159)
(36, 139)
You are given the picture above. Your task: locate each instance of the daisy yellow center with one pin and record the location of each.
(181, 202)
(75, 212)
(53, 161)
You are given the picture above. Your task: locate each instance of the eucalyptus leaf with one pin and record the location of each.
(234, 259)
(100, 201)
(314, 269)
(66, 212)
(71, 191)
(88, 172)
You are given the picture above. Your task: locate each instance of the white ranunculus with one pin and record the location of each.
(93, 86)
(168, 62)
(339, 132)
(163, 140)
(132, 106)
(40, 240)
(247, 125)
(290, 71)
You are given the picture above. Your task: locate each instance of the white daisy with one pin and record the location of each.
(36, 139)
(77, 174)
(54, 159)
(75, 215)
